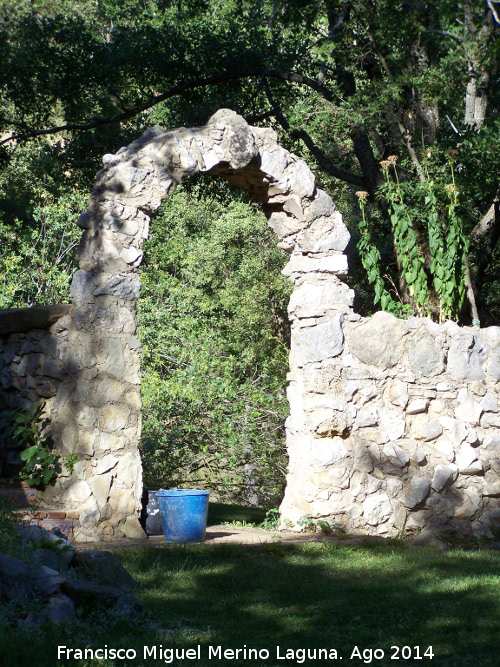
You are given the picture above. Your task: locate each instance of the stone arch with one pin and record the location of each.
(97, 410)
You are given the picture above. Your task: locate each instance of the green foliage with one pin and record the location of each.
(9, 535)
(271, 522)
(38, 253)
(213, 327)
(419, 221)
(70, 462)
(29, 433)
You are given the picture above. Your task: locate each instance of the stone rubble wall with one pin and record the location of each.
(392, 423)
(30, 370)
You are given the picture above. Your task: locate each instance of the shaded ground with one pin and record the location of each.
(222, 534)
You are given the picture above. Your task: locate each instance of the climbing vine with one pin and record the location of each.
(429, 243)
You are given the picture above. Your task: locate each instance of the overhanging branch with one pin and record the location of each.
(24, 132)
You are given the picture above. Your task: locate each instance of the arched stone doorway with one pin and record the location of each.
(97, 410)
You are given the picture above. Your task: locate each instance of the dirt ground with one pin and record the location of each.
(217, 535)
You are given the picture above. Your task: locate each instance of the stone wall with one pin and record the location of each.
(396, 427)
(31, 367)
(393, 424)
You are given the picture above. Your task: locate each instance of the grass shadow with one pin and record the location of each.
(300, 598)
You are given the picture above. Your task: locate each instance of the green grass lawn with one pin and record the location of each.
(315, 596)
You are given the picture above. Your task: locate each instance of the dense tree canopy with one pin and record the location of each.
(395, 100)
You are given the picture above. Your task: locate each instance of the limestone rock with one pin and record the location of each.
(362, 459)
(36, 317)
(443, 476)
(494, 366)
(466, 356)
(133, 529)
(324, 235)
(129, 468)
(48, 581)
(465, 457)
(89, 514)
(273, 163)
(321, 206)
(123, 286)
(378, 341)
(417, 406)
(77, 493)
(298, 264)
(319, 342)
(489, 403)
(81, 591)
(16, 580)
(299, 178)
(428, 539)
(392, 424)
(480, 530)
(377, 509)
(39, 536)
(468, 409)
(417, 492)
(122, 500)
(105, 464)
(82, 286)
(492, 490)
(445, 448)
(100, 486)
(426, 354)
(430, 431)
(104, 568)
(397, 393)
(399, 515)
(309, 299)
(366, 418)
(396, 455)
(114, 417)
(328, 451)
(60, 609)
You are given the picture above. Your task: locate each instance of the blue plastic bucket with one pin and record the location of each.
(183, 514)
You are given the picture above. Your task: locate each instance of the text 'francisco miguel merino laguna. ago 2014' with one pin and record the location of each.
(298, 655)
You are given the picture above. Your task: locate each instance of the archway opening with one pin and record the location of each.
(212, 320)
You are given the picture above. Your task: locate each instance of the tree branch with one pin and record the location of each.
(491, 5)
(488, 252)
(445, 33)
(325, 163)
(321, 158)
(24, 132)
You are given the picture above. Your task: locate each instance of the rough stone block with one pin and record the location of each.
(416, 493)
(377, 509)
(335, 264)
(377, 342)
(122, 501)
(444, 475)
(114, 417)
(319, 342)
(417, 406)
(426, 354)
(466, 356)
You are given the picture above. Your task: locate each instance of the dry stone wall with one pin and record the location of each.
(393, 425)
(30, 366)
